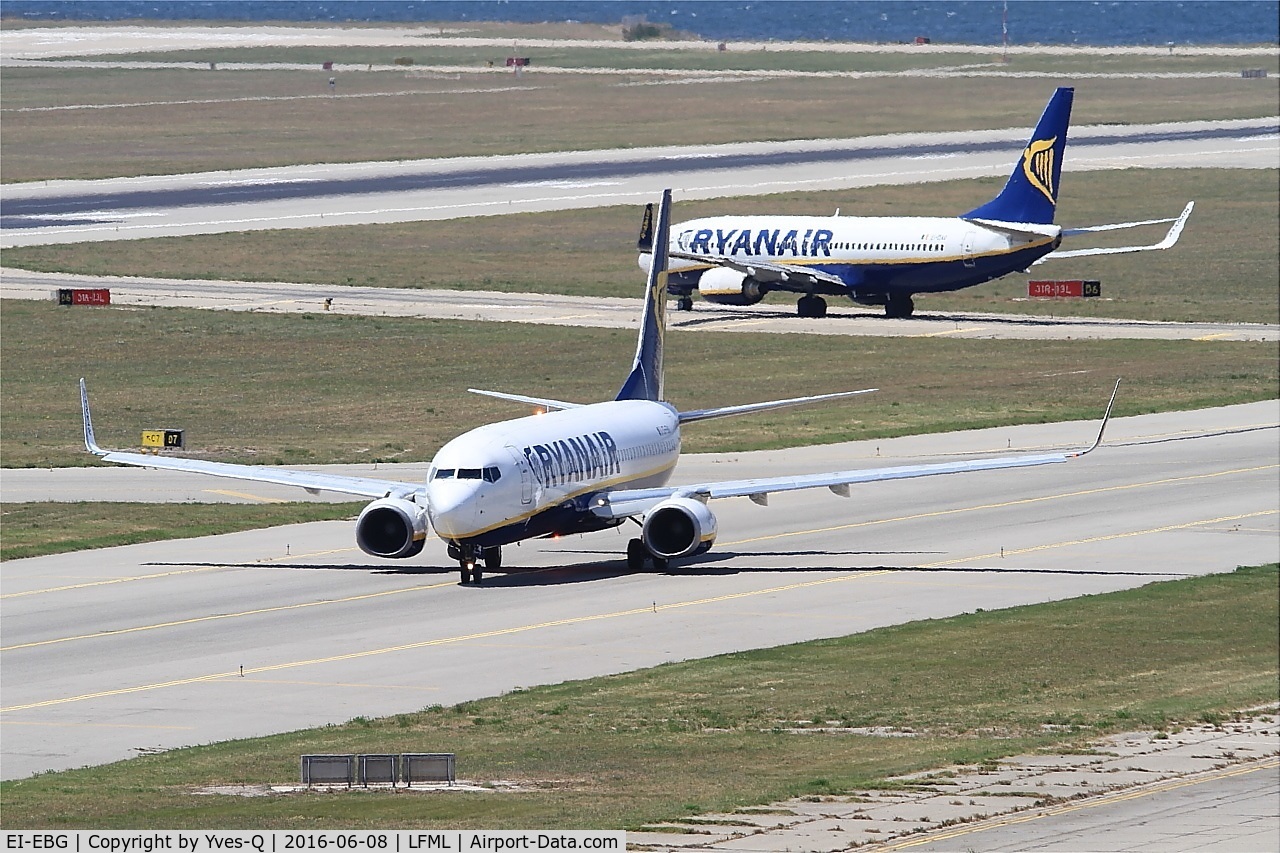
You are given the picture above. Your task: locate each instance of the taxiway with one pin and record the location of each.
(609, 312)
(154, 646)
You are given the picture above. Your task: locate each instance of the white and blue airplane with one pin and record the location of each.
(885, 260)
(575, 469)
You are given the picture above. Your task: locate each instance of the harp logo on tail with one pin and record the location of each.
(1037, 164)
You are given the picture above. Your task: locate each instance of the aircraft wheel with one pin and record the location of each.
(811, 306)
(477, 576)
(684, 303)
(899, 307)
(466, 573)
(492, 557)
(636, 555)
(660, 564)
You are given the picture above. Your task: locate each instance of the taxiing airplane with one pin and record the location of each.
(884, 260)
(575, 469)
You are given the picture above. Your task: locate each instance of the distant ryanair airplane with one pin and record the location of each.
(885, 260)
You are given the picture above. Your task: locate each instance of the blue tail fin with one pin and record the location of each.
(645, 380)
(1031, 193)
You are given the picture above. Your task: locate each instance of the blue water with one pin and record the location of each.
(1083, 22)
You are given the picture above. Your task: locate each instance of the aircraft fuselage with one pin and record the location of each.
(529, 477)
(872, 256)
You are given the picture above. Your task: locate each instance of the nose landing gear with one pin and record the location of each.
(469, 557)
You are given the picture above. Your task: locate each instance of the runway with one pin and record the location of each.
(117, 651)
(324, 195)
(611, 312)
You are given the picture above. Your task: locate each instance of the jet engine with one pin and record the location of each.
(679, 527)
(724, 286)
(392, 527)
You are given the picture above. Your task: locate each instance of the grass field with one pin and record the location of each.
(328, 388)
(727, 732)
(1234, 233)
(35, 529)
(76, 123)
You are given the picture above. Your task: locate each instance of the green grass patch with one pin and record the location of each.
(36, 529)
(172, 121)
(714, 734)
(1234, 231)
(318, 388)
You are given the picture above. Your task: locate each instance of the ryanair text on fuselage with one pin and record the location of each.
(568, 460)
(763, 241)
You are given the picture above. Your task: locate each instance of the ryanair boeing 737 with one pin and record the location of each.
(576, 469)
(884, 260)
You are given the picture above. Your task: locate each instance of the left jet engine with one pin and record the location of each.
(725, 286)
(392, 527)
(679, 527)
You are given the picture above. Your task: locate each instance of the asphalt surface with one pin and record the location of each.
(82, 207)
(322, 195)
(609, 312)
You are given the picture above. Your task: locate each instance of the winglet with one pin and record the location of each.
(1106, 416)
(90, 443)
(1175, 230)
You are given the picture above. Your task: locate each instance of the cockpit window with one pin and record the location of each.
(490, 475)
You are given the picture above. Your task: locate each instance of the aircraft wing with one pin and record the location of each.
(1170, 238)
(623, 503)
(312, 481)
(780, 276)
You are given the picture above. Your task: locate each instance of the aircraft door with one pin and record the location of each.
(526, 476)
(967, 249)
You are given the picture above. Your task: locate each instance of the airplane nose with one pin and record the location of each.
(452, 509)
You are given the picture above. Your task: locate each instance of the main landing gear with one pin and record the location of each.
(899, 306)
(469, 558)
(638, 554)
(684, 303)
(811, 306)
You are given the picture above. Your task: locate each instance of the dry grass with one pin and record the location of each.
(202, 120)
(34, 529)
(326, 388)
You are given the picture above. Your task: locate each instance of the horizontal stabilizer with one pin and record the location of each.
(1026, 230)
(542, 402)
(726, 411)
(1175, 231)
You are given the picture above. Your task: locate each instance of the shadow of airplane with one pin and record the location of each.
(711, 564)
(710, 316)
